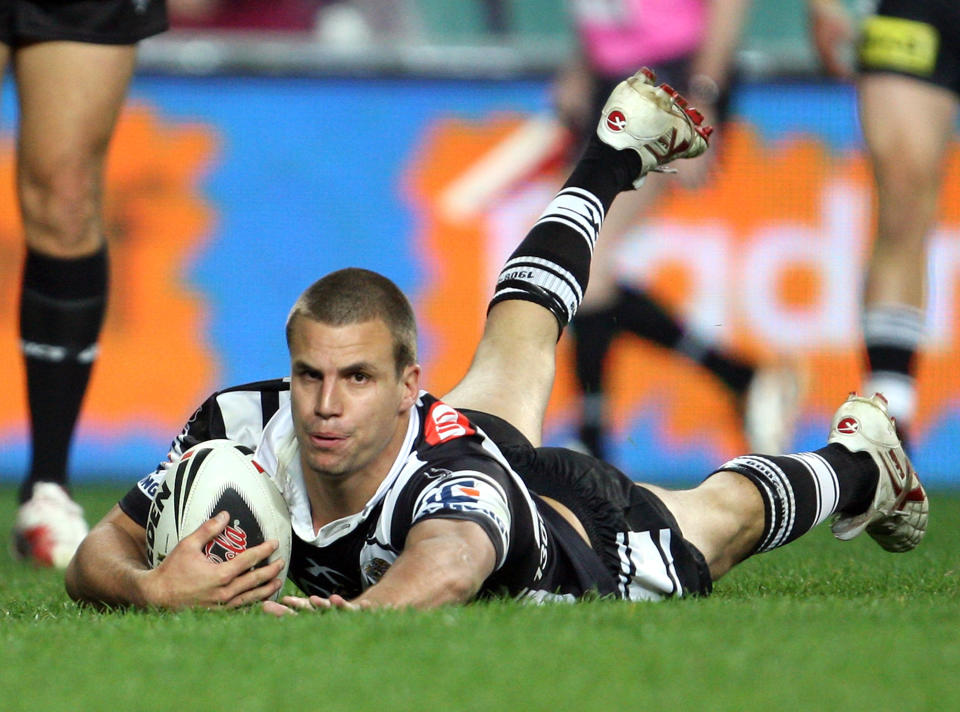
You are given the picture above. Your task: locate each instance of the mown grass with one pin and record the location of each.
(817, 625)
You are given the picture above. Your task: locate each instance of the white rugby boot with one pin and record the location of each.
(654, 121)
(770, 407)
(897, 518)
(49, 527)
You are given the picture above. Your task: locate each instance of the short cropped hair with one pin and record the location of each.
(354, 295)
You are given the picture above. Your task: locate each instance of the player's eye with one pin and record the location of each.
(309, 374)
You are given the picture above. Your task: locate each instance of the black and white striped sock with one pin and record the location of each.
(551, 266)
(800, 491)
(893, 333)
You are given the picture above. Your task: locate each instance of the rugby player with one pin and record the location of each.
(908, 65)
(690, 44)
(72, 62)
(400, 499)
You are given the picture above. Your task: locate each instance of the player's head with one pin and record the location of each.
(353, 374)
(353, 296)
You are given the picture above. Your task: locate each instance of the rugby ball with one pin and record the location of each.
(211, 477)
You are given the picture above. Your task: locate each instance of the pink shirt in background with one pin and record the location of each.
(620, 35)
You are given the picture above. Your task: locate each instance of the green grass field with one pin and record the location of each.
(819, 625)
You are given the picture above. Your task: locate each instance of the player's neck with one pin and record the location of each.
(334, 497)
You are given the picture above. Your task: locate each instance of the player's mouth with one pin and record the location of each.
(327, 441)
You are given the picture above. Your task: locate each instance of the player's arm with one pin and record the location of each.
(712, 64)
(711, 69)
(444, 562)
(110, 569)
(832, 32)
(572, 94)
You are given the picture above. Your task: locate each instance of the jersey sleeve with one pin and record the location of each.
(472, 496)
(206, 423)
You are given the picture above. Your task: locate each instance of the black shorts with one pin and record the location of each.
(636, 536)
(108, 22)
(916, 38)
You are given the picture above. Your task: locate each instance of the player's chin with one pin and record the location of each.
(327, 461)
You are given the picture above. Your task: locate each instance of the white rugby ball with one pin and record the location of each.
(211, 477)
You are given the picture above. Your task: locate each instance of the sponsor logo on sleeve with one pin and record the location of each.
(468, 494)
(151, 483)
(444, 423)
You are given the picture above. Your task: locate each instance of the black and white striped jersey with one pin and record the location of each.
(448, 468)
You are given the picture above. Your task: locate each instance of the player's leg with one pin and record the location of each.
(754, 503)
(6, 36)
(597, 321)
(70, 95)
(908, 167)
(765, 397)
(543, 282)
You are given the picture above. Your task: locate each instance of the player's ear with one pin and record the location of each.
(410, 384)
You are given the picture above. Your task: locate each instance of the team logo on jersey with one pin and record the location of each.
(848, 426)
(444, 423)
(325, 579)
(616, 121)
(437, 473)
(375, 570)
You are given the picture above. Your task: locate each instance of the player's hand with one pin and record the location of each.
(186, 578)
(832, 32)
(291, 605)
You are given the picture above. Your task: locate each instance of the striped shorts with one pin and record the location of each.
(632, 531)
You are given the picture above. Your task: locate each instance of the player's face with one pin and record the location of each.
(350, 410)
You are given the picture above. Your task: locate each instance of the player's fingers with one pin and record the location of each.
(277, 609)
(297, 603)
(250, 558)
(252, 578)
(320, 602)
(209, 530)
(343, 604)
(255, 594)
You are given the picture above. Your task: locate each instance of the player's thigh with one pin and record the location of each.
(70, 95)
(893, 108)
(512, 372)
(4, 57)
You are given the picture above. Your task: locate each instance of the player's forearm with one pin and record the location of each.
(715, 57)
(436, 572)
(108, 570)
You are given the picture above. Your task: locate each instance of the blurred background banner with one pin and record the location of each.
(246, 166)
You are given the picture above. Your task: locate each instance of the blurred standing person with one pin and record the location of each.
(908, 66)
(691, 45)
(72, 62)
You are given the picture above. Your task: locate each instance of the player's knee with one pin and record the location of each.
(60, 207)
(906, 176)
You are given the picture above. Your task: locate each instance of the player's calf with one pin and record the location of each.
(552, 264)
